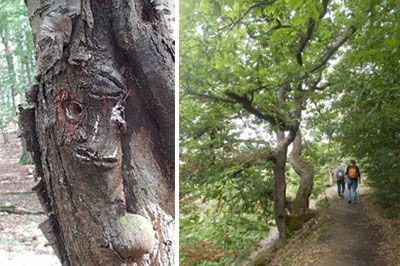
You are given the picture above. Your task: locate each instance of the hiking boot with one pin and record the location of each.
(349, 201)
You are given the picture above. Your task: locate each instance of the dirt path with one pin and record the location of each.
(352, 237)
(341, 234)
(21, 242)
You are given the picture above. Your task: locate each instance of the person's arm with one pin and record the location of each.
(359, 173)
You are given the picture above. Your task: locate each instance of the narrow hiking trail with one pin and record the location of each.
(343, 234)
(21, 241)
(351, 238)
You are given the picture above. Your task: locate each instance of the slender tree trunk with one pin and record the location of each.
(4, 135)
(331, 176)
(28, 72)
(25, 155)
(11, 69)
(27, 56)
(336, 154)
(300, 210)
(104, 125)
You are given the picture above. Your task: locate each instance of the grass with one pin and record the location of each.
(389, 214)
(25, 159)
(323, 202)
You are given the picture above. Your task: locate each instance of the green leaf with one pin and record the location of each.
(319, 7)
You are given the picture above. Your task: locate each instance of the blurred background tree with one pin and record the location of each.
(17, 65)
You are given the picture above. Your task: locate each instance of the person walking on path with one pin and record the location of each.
(340, 173)
(353, 177)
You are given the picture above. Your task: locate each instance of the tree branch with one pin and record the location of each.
(304, 41)
(212, 97)
(307, 37)
(207, 96)
(246, 103)
(315, 82)
(279, 26)
(325, 5)
(292, 134)
(200, 132)
(322, 87)
(256, 141)
(233, 24)
(294, 127)
(331, 50)
(275, 27)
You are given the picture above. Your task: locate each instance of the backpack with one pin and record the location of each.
(340, 174)
(353, 172)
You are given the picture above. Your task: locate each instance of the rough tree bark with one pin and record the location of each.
(300, 212)
(103, 131)
(280, 185)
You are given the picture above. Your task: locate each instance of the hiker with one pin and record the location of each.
(339, 171)
(353, 177)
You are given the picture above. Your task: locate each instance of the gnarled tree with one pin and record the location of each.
(265, 63)
(103, 131)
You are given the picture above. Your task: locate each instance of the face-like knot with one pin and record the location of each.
(73, 112)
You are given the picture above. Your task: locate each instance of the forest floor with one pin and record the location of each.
(344, 234)
(21, 241)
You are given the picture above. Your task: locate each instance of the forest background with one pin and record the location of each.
(17, 63)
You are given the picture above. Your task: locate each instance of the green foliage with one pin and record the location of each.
(369, 96)
(208, 236)
(17, 62)
(225, 207)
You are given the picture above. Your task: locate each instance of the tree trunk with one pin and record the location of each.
(283, 142)
(10, 68)
(25, 157)
(280, 186)
(104, 125)
(28, 72)
(5, 136)
(331, 175)
(300, 211)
